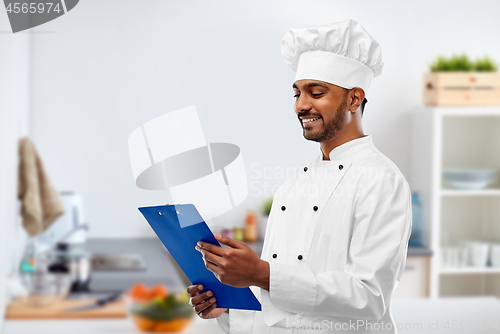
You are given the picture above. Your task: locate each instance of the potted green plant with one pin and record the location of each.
(462, 64)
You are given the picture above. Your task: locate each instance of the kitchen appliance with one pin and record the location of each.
(73, 219)
(43, 287)
(118, 262)
(75, 261)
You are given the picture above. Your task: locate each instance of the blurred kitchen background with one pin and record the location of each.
(79, 85)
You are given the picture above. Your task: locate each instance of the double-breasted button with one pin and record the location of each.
(315, 208)
(341, 167)
(305, 169)
(275, 256)
(283, 208)
(300, 257)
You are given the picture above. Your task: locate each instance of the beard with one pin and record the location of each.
(331, 128)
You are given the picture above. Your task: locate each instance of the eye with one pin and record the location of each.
(296, 95)
(316, 95)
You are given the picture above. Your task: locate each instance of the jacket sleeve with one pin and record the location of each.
(239, 321)
(223, 322)
(377, 255)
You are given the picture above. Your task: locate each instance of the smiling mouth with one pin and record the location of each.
(309, 121)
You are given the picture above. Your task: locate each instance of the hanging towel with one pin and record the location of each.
(41, 204)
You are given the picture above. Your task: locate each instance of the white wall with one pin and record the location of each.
(14, 111)
(108, 66)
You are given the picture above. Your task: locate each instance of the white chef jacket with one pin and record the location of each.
(336, 243)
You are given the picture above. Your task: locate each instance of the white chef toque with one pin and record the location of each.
(341, 53)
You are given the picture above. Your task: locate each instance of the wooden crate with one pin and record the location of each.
(461, 89)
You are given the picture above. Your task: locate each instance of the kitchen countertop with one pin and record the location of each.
(162, 269)
(419, 251)
(416, 316)
(457, 315)
(105, 326)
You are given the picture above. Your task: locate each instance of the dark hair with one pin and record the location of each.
(363, 106)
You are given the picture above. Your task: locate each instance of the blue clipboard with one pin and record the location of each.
(179, 228)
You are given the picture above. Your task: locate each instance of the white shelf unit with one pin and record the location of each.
(457, 137)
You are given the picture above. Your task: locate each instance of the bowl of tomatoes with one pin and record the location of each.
(156, 310)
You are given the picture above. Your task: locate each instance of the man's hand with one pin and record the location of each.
(238, 266)
(205, 304)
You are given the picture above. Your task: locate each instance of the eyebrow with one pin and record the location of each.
(311, 84)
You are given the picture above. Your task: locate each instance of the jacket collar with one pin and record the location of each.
(347, 150)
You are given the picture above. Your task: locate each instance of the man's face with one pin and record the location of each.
(321, 108)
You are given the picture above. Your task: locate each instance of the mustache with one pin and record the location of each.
(307, 113)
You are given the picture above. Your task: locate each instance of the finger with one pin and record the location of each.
(193, 289)
(213, 268)
(212, 258)
(206, 314)
(202, 297)
(218, 250)
(202, 306)
(229, 242)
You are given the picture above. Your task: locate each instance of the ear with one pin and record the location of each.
(357, 96)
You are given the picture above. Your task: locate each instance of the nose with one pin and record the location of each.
(302, 104)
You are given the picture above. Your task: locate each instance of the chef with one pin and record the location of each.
(337, 235)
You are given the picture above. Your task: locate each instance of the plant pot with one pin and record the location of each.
(461, 89)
